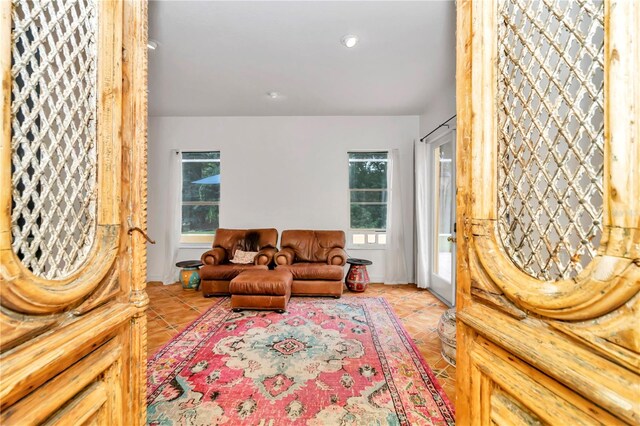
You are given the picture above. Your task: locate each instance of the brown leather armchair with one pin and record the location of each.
(315, 259)
(217, 271)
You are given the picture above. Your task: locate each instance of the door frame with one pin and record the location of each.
(446, 292)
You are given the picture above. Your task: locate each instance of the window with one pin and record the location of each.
(200, 196)
(368, 197)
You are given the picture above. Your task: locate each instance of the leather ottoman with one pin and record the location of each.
(261, 290)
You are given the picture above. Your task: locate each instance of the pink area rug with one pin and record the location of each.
(324, 362)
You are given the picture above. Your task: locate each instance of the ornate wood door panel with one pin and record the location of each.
(73, 173)
(549, 195)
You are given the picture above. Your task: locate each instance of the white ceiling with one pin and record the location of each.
(221, 58)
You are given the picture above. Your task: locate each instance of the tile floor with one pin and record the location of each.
(171, 308)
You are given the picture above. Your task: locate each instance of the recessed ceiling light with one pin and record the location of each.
(349, 41)
(152, 44)
(274, 95)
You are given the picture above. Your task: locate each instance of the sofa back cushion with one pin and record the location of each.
(312, 246)
(228, 238)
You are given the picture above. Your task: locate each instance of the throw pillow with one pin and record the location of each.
(243, 257)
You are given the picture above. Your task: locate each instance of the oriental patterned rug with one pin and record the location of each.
(324, 362)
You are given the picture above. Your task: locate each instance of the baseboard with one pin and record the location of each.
(372, 279)
(154, 278)
(380, 279)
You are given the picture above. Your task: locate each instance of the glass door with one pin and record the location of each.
(443, 227)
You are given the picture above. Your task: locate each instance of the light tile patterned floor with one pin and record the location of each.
(171, 309)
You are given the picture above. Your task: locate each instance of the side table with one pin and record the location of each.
(190, 274)
(357, 277)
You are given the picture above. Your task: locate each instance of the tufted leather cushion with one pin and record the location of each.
(313, 271)
(226, 272)
(312, 246)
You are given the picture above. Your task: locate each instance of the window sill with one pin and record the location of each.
(367, 248)
(205, 246)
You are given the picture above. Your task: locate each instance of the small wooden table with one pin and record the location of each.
(190, 274)
(357, 277)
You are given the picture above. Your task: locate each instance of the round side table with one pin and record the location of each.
(190, 275)
(358, 277)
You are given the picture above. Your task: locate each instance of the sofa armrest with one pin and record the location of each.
(337, 256)
(286, 256)
(265, 256)
(215, 256)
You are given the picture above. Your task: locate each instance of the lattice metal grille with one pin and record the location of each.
(53, 112)
(550, 133)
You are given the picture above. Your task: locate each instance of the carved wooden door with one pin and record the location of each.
(549, 208)
(73, 178)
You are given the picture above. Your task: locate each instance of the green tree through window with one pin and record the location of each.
(368, 190)
(200, 192)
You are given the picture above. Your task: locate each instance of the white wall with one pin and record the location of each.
(441, 108)
(281, 172)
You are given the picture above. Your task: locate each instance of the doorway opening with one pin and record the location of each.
(443, 213)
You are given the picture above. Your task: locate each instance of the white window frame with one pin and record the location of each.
(374, 238)
(197, 240)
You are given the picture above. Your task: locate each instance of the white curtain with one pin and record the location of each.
(422, 214)
(395, 270)
(174, 213)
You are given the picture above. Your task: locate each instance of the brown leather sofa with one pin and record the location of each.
(315, 260)
(217, 271)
